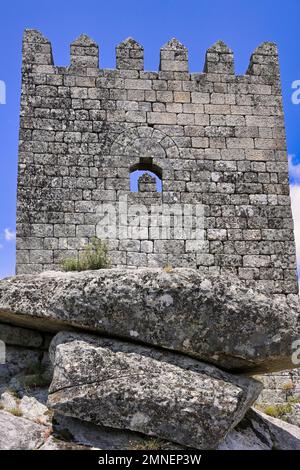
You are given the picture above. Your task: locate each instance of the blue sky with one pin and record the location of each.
(198, 24)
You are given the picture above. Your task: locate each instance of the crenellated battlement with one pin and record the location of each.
(84, 54)
(130, 55)
(214, 139)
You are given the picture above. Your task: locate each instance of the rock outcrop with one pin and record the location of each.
(143, 359)
(258, 431)
(126, 386)
(26, 433)
(255, 432)
(32, 430)
(214, 319)
(17, 433)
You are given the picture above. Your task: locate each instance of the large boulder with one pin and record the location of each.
(215, 319)
(256, 431)
(126, 386)
(102, 437)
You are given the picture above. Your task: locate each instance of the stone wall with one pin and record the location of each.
(280, 387)
(216, 140)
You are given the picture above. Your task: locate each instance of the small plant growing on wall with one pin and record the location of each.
(288, 387)
(278, 411)
(94, 256)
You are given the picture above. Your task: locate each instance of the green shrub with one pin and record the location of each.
(288, 387)
(70, 264)
(94, 256)
(277, 411)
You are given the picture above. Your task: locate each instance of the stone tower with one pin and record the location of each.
(215, 140)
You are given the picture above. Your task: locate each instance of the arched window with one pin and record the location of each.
(145, 177)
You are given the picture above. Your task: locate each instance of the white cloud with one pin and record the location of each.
(294, 170)
(9, 234)
(295, 196)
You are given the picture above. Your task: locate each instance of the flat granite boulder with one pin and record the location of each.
(215, 319)
(158, 393)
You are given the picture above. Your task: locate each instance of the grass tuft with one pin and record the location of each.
(15, 411)
(148, 444)
(277, 411)
(94, 256)
(168, 268)
(288, 386)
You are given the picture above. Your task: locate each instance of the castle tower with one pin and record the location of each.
(215, 139)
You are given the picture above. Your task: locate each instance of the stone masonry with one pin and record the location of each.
(214, 139)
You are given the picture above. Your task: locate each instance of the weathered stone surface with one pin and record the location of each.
(17, 360)
(215, 319)
(281, 393)
(215, 139)
(293, 415)
(20, 336)
(36, 383)
(162, 394)
(20, 434)
(280, 387)
(258, 431)
(23, 348)
(28, 406)
(8, 401)
(34, 410)
(102, 437)
(56, 444)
